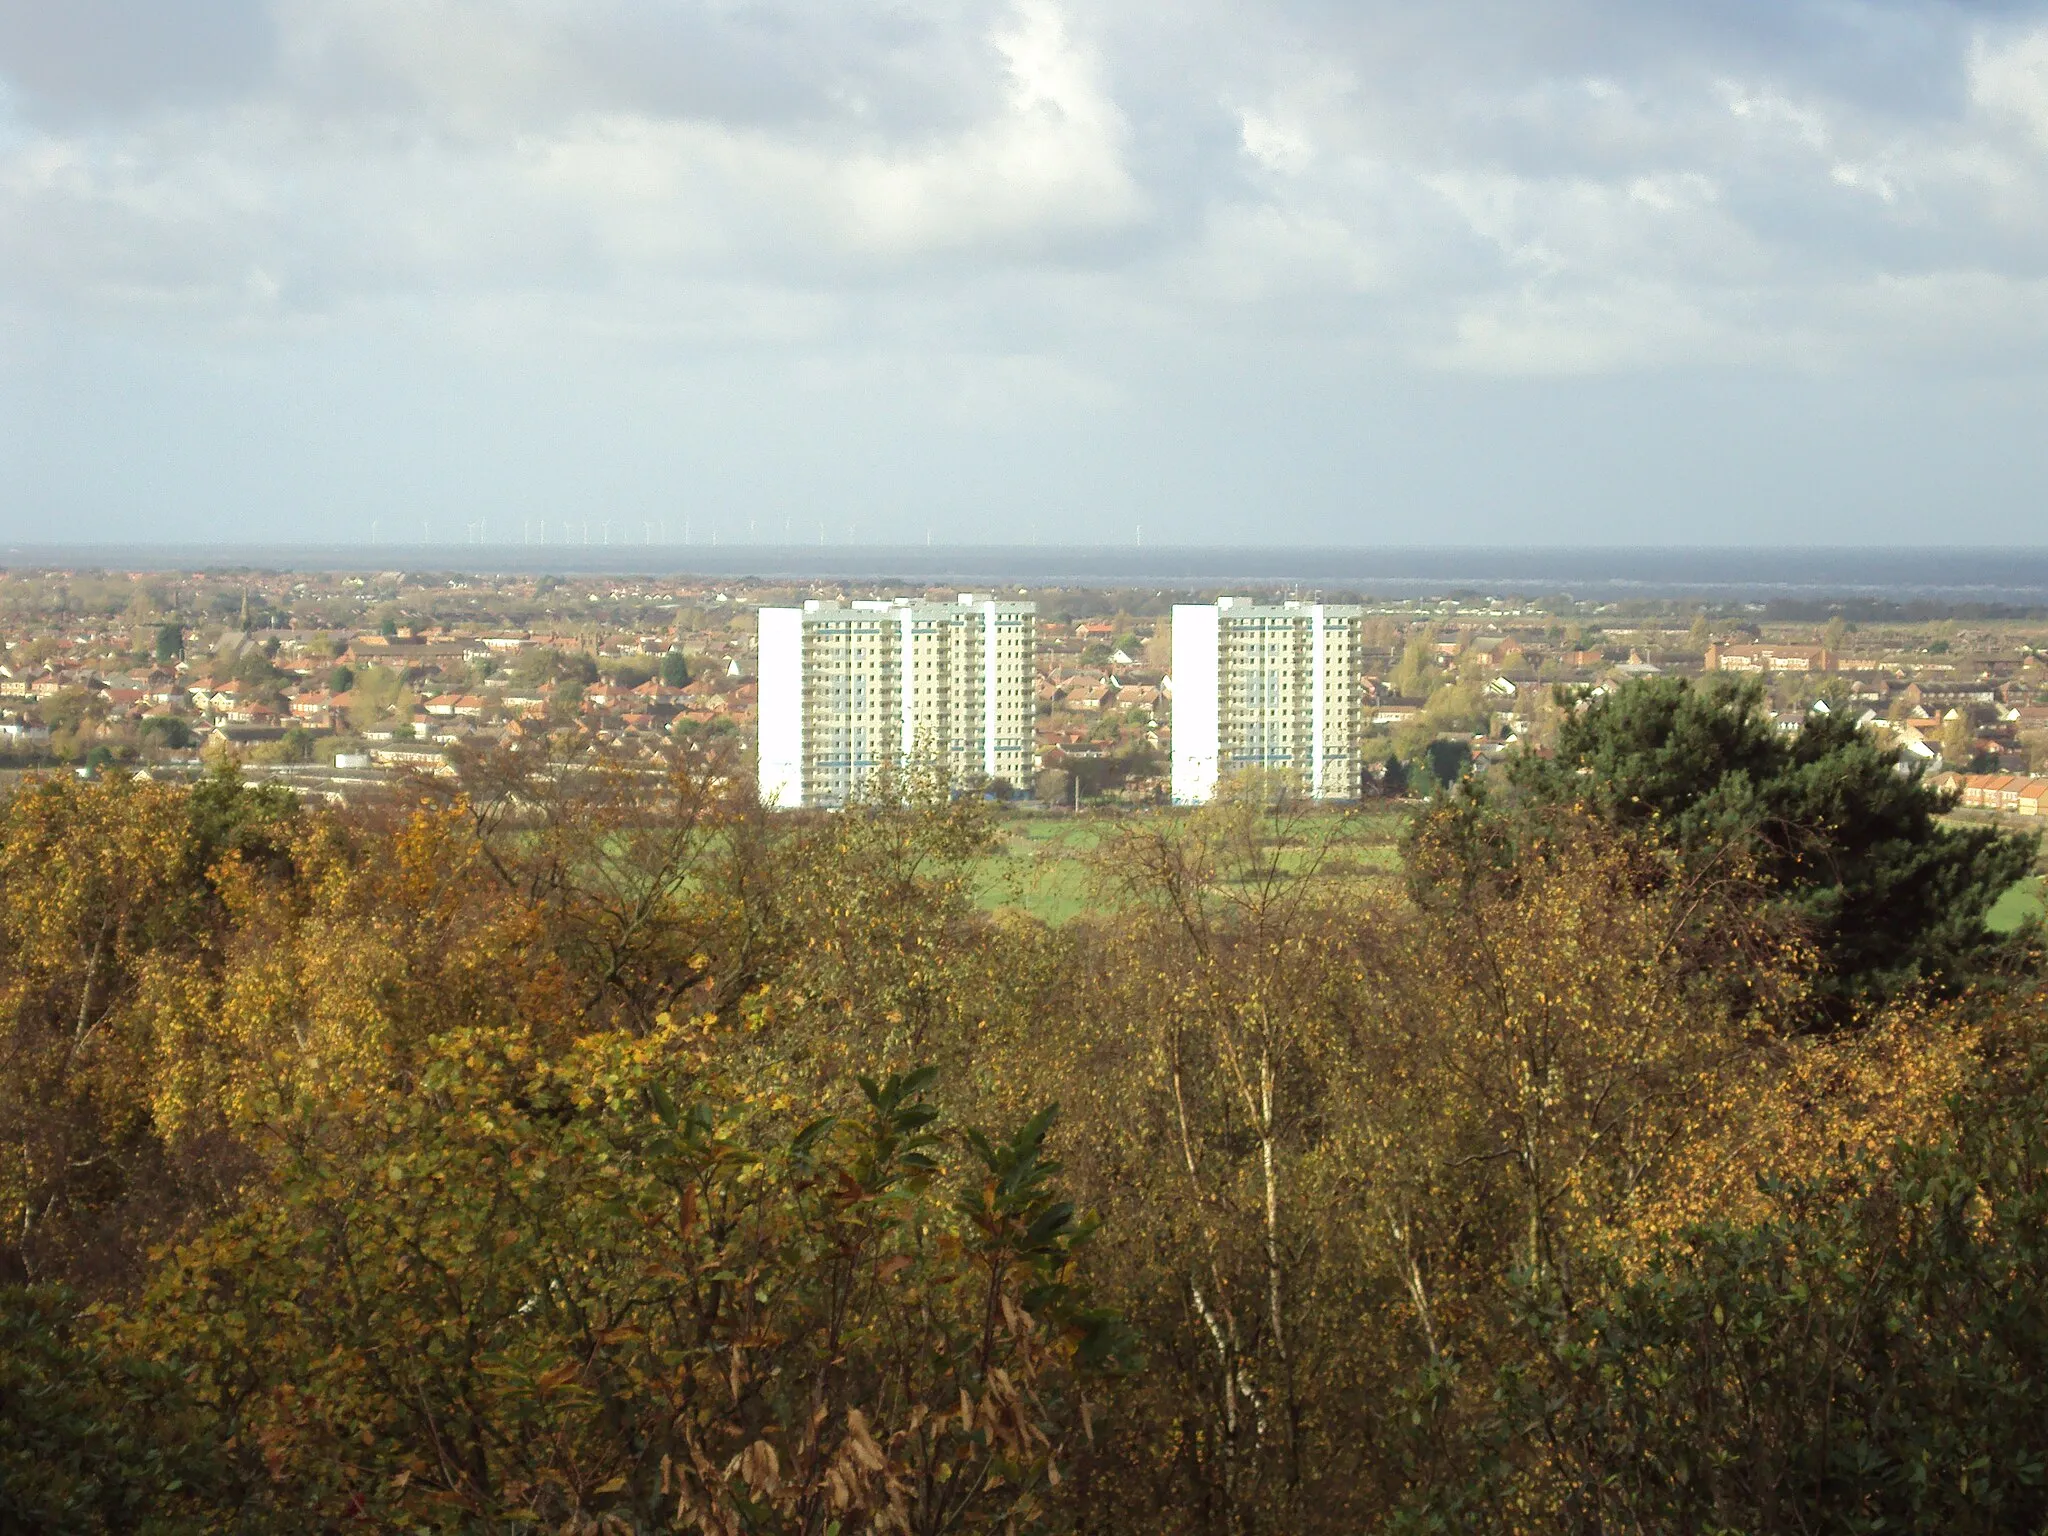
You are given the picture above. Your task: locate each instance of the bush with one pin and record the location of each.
(1870, 1359)
(584, 1292)
(92, 1439)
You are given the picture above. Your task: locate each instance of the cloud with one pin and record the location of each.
(428, 147)
(81, 58)
(1574, 185)
(1276, 145)
(1047, 163)
(2009, 79)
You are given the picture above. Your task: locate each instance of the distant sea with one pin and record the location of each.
(1908, 577)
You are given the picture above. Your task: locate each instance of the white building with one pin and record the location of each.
(847, 688)
(1269, 688)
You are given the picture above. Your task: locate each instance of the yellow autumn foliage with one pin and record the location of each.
(1336, 1141)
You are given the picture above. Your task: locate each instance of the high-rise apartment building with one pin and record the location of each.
(1268, 687)
(847, 688)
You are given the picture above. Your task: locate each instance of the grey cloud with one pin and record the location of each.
(495, 66)
(628, 142)
(78, 59)
(899, 67)
(1037, 209)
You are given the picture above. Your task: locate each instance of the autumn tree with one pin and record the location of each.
(622, 861)
(376, 691)
(859, 938)
(1416, 674)
(1336, 1136)
(108, 908)
(1200, 1032)
(1866, 1356)
(556, 1144)
(1851, 844)
(602, 1293)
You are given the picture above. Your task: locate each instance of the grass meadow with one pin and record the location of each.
(1047, 865)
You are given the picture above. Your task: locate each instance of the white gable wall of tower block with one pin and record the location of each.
(1320, 694)
(1195, 702)
(781, 704)
(991, 690)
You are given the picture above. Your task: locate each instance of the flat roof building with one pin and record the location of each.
(848, 689)
(1268, 688)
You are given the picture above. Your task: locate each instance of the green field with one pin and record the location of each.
(1045, 865)
(2016, 906)
(1041, 865)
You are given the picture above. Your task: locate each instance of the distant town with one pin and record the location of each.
(338, 682)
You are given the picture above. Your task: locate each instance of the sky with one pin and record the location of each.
(1491, 272)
